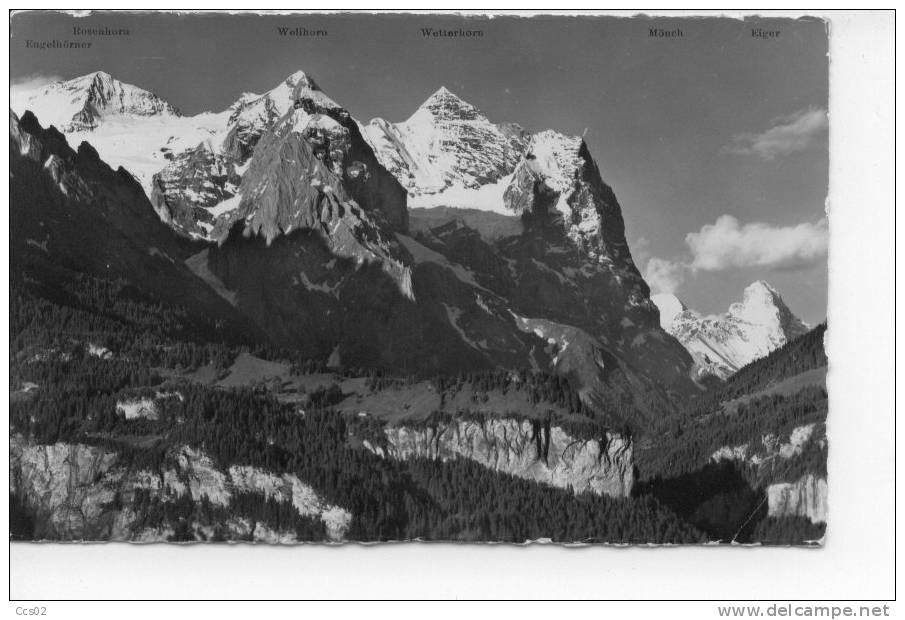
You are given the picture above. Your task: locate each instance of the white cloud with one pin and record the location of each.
(21, 87)
(727, 244)
(664, 276)
(31, 82)
(788, 134)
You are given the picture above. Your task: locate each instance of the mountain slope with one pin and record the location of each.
(722, 344)
(72, 216)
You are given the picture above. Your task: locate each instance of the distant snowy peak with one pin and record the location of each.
(81, 104)
(722, 344)
(761, 304)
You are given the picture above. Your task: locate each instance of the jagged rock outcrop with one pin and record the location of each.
(772, 457)
(527, 449)
(772, 447)
(298, 179)
(82, 492)
(291, 158)
(24, 142)
(722, 344)
(70, 211)
(806, 497)
(195, 188)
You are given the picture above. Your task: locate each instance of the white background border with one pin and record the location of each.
(856, 562)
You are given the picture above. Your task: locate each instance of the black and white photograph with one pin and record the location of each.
(311, 279)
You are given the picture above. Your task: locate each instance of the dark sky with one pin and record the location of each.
(660, 114)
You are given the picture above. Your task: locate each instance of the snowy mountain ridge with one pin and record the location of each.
(83, 103)
(449, 154)
(722, 344)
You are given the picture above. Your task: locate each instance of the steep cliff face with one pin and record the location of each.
(524, 448)
(293, 184)
(71, 213)
(806, 497)
(567, 264)
(67, 486)
(587, 310)
(81, 492)
(290, 158)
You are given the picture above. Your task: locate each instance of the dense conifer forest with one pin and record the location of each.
(77, 392)
(89, 342)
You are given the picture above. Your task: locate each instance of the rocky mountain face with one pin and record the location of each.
(311, 240)
(291, 158)
(524, 448)
(722, 344)
(567, 268)
(805, 497)
(70, 213)
(82, 492)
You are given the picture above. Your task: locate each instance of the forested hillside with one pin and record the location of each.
(735, 454)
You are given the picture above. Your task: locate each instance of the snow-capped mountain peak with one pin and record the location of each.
(721, 344)
(444, 105)
(300, 77)
(446, 147)
(264, 110)
(82, 103)
(99, 80)
(760, 303)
